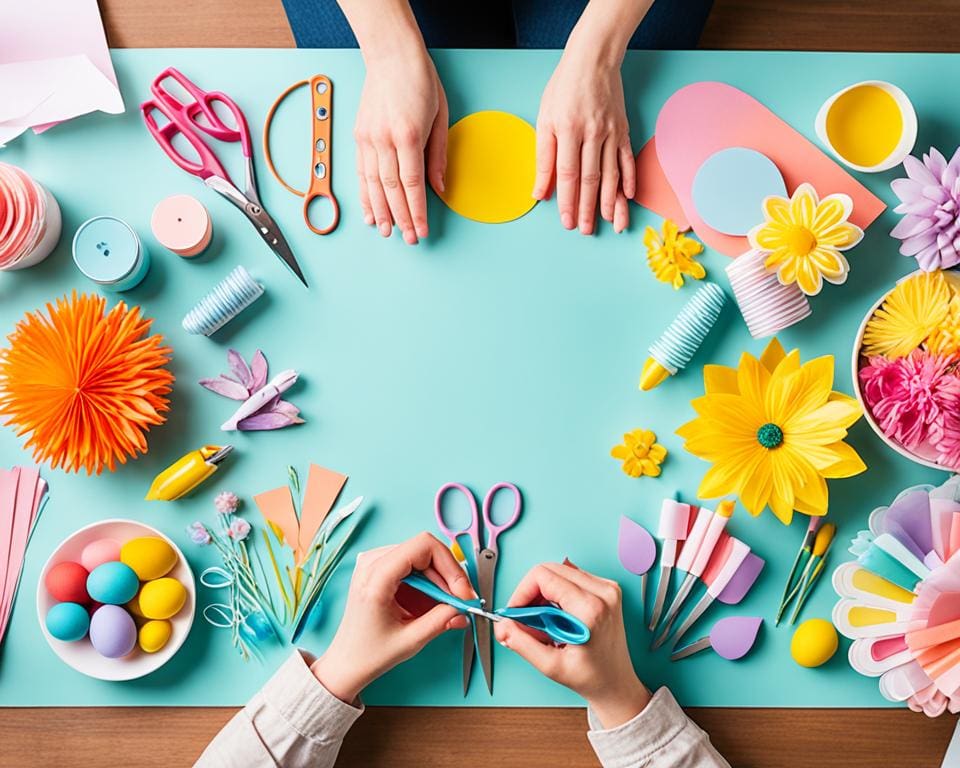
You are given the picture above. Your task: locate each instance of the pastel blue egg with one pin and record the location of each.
(112, 583)
(68, 622)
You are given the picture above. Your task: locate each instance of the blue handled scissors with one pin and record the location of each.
(557, 624)
(486, 555)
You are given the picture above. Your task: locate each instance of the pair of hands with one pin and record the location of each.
(583, 142)
(378, 632)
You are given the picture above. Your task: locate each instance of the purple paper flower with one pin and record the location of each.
(199, 534)
(247, 382)
(226, 502)
(930, 202)
(239, 529)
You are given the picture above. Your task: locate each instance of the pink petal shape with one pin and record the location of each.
(226, 387)
(240, 369)
(733, 637)
(635, 547)
(263, 421)
(945, 608)
(260, 370)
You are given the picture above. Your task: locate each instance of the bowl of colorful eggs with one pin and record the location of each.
(116, 600)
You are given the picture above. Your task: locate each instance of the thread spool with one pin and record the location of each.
(108, 252)
(229, 298)
(679, 343)
(181, 224)
(766, 304)
(30, 222)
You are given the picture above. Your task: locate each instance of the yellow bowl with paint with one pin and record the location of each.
(869, 126)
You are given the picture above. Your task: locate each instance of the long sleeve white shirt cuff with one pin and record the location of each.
(661, 736)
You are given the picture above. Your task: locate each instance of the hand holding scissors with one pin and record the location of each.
(486, 554)
(199, 116)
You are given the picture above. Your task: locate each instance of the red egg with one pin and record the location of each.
(67, 583)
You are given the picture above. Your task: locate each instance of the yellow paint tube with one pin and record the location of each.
(187, 473)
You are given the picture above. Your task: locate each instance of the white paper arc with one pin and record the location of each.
(52, 90)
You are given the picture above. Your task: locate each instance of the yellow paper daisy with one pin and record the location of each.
(912, 311)
(671, 256)
(773, 429)
(640, 453)
(805, 236)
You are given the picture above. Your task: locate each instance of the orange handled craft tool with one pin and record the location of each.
(321, 149)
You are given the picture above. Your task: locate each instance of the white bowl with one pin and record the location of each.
(81, 654)
(855, 364)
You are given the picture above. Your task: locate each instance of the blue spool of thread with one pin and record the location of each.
(229, 298)
(109, 252)
(683, 337)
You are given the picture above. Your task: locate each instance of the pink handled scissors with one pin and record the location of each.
(199, 115)
(486, 555)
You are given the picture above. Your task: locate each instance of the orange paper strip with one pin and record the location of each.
(276, 506)
(323, 487)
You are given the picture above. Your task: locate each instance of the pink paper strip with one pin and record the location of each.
(323, 487)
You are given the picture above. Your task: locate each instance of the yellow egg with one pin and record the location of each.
(162, 598)
(154, 635)
(150, 557)
(814, 643)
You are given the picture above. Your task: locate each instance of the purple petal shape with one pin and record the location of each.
(259, 369)
(742, 580)
(911, 513)
(906, 189)
(265, 421)
(917, 171)
(733, 637)
(226, 388)
(240, 368)
(635, 546)
(289, 410)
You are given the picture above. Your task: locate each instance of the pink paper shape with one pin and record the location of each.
(718, 558)
(323, 487)
(885, 647)
(703, 118)
(945, 608)
(50, 29)
(24, 507)
(733, 637)
(635, 547)
(276, 506)
(742, 580)
(655, 193)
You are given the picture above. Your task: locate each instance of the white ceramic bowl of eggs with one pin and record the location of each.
(110, 630)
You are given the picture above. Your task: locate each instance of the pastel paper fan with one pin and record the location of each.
(900, 600)
(84, 384)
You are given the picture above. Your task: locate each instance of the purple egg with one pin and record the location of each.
(112, 631)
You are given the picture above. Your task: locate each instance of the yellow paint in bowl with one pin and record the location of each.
(491, 167)
(869, 126)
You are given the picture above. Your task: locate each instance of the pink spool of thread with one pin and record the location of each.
(181, 224)
(29, 220)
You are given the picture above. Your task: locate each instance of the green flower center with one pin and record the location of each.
(770, 436)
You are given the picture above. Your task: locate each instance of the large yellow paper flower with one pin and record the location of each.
(671, 257)
(773, 430)
(945, 339)
(912, 311)
(805, 236)
(640, 453)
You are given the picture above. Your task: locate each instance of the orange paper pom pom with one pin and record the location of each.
(84, 383)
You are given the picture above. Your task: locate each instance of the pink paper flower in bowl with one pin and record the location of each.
(930, 202)
(910, 397)
(948, 446)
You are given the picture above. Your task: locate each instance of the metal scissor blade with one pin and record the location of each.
(486, 570)
(265, 225)
(700, 645)
(698, 610)
(666, 571)
(674, 608)
(468, 646)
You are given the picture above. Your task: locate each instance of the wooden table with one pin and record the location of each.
(427, 738)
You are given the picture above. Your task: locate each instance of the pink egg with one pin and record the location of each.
(99, 552)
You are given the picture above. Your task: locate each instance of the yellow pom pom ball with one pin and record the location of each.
(162, 598)
(150, 557)
(814, 643)
(154, 635)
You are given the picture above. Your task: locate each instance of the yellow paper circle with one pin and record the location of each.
(491, 167)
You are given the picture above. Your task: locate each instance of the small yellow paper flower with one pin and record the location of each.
(912, 312)
(773, 430)
(671, 257)
(640, 453)
(805, 236)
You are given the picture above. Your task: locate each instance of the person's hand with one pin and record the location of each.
(402, 115)
(600, 670)
(583, 141)
(377, 632)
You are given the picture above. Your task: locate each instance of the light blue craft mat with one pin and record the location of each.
(487, 353)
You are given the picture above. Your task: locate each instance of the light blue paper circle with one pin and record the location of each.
(729, 188)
